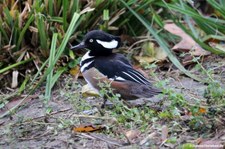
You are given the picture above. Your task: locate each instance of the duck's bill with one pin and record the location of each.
(79, 46)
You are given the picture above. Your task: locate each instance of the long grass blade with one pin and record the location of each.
(74, 20)
(202, 44)
(15, 65)
(2, 30)
(57, 75)
(162, 43)
(21, 36)
(214, 25)
(42, 35)
(218, 6)
(50, 7)
(51, 66)
(23, 85)
(65, 10)
(8, 17)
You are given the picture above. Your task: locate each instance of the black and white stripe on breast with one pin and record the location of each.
(86, 62)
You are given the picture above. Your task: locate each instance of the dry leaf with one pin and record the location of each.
(132, 134)
(186, 43)
(149, 137)
(198, 140)
(13, 13)
(164, 133)
(160, 54)
(14, 9)
(75, 71)
(88, 91)
(149, 49)
(202, 110)
(151, 53)
(88, 128)
(219, 46)
(145, 59)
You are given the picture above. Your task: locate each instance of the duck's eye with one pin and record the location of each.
(91, 40)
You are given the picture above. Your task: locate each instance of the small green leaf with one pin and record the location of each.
(105, 14)
(48, 110)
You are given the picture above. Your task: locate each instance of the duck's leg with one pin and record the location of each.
(104, 102)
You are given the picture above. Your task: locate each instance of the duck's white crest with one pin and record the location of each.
(108, 44)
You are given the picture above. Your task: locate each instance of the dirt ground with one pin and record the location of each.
(30, 127)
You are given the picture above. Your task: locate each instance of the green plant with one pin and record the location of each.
(128, 116)
(51, 81)
(161, 42)
(215, 93)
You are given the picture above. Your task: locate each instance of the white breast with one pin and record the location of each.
(86, 56)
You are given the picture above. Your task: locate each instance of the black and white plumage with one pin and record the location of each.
(101, 62)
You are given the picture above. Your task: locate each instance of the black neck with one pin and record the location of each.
(100, 52)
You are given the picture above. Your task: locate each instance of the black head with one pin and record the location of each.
(99, 42)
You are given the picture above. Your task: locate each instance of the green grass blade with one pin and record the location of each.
(39, 71)
(15, 65)
(162, 43)
(106, 14)
(61, 48)
(157, 19)
(65, 10)
(189, 23)
(214, 25)
(56, 19)
(42, 35)
(21, 36)
(51, 66)
(202, 44)
(50, 7)
(8, 17)
(69, 32)
(2, 30)
(23, 85)
(218, 6)
(57, 75)
(75, 6)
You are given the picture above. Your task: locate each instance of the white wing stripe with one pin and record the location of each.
(119, 78)
(116, 78)
(131, 77)
(137, 77)
(141, 77)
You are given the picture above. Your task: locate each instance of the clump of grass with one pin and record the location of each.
(28, 28)
(215, 93)
(39, 20)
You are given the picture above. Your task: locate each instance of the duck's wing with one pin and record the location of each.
(119, 69)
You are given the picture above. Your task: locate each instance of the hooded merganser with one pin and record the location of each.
(101, 64)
